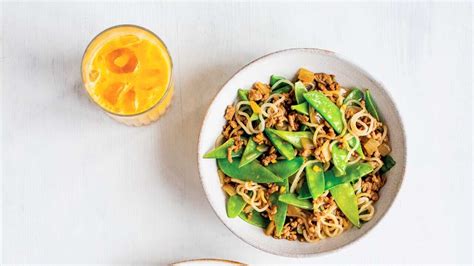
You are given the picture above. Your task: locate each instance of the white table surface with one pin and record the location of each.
(80, 188)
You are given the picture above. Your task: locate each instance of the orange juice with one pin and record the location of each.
(127, 71)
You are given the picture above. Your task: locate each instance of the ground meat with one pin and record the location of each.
(326, 82)
(260, 139)
(259, 92)
(292, 121)
(229, 112)
(372, 186)
(302, 118)
(271, 157)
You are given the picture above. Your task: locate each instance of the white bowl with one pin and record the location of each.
(286, 63)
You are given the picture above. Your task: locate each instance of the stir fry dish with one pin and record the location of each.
(304, 159)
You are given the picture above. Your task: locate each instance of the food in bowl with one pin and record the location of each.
(304, 159)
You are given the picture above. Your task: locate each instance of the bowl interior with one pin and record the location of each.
(286, 63)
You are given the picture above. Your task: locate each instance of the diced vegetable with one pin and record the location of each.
(229, 189)
(255, 107)
(305, 75)
(384, 149)
(388, 163)
(371, 146)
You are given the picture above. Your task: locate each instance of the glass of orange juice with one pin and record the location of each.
(127, 71)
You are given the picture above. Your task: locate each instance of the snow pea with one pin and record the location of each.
(253, 171)
(282, 146)
(328, 110)
(256, 219)
(355, 141)
(301, 108)
(284, 89)
(339, 160)
(243, 94)
(353, 172)
(251, 153)
(315, 179)
(280, 216)
(346, 200)
(286, 168)
(300, 89)
(355, 94)
(304, 193)
(292, 199)
(388, 163)
(221, 151)
(235, 205)
(294, 138)
(274, 79)
(370, 105)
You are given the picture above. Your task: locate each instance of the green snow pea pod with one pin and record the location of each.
(300, 89)
(339, 160)
(355, 94)
(274, 79)
(282, 146)
(292, 199)
(388, 163)
(328, 110)
(353, 172)
(315, 179)
(256, 219)
(286, 168)
(301, 108)
(346, 200)
(304, 193)
(235, 205)
(284, 89)
(243, 94)
(280, 216)
(370, 105)
(251, 153)
(355, 141)
(221, 151)
(294, 138)
(253, 171)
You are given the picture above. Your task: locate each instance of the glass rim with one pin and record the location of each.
(170, 82)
